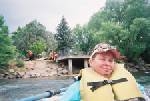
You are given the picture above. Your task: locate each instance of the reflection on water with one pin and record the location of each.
(12, 90)
(142, 78)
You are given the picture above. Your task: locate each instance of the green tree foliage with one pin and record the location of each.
(115, 34)
(125, 23)
(7, 50)
(96, 20)
(38, 47)
(83, 39)
(114, 10)
(63, 36)
(125, 11)
(51, 42)
(25, 36)
(32, 35)
(134, 9)
(139, 37)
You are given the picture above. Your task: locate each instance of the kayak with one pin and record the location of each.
(57, 94)
(54, 98)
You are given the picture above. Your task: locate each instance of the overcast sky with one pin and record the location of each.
(48, 12)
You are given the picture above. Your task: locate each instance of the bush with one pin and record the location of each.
(19, 63)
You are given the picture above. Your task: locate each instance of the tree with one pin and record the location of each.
(63, 36)
(96, 20)
(25, 38)
(125, 11)
(114, 10)
(125, 23)
(7, 50)
(51, 42)
(38, 47)
(83, 39)
(113, 33)
(135, 9)
(140, 38)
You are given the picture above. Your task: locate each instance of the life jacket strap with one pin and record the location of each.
(96, 85)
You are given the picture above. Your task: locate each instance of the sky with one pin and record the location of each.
(48, 12)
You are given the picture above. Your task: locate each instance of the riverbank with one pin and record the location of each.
(34, 69)
(41, 68)
(139, 67)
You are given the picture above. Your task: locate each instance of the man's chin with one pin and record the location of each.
(107, 75)
(108, 72)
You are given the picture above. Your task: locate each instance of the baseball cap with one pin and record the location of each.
(105, 47)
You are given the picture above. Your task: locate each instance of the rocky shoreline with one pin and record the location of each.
(47, 68)
(34, 69)
(141, 67)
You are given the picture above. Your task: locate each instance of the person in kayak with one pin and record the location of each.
(105, 80)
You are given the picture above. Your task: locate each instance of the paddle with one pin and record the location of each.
(46, 94)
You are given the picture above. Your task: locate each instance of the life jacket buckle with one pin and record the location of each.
(107, 82)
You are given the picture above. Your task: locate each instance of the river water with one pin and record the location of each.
(12, 90)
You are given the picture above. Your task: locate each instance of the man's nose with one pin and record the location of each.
(107, 62)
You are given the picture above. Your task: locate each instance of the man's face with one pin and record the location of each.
(103, 63)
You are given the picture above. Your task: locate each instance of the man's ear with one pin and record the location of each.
(90, 61)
